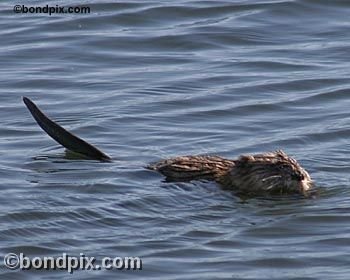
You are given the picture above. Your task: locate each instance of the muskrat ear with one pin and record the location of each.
(245, 159)
(281, 154)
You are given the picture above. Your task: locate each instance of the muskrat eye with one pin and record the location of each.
(298, 176)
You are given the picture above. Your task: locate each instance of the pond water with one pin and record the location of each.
(148, 80)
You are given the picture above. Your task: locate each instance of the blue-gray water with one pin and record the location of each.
(147, 80)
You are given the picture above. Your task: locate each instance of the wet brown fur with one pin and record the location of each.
(273, 172)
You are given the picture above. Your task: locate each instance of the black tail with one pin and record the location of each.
(62, 136)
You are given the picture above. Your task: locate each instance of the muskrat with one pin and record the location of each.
(267, 173)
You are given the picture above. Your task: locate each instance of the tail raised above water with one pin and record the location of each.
(62, 136)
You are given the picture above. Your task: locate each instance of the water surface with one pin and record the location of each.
(146, 80)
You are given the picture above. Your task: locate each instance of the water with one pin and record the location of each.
(147, 80)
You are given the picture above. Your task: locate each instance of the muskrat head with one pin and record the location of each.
(274, 172)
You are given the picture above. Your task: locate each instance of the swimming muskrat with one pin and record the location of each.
(267, 173)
